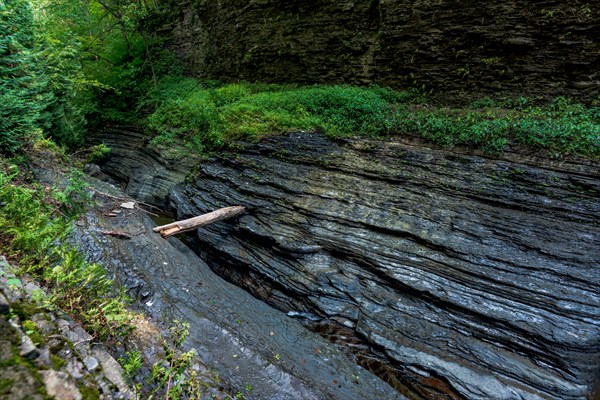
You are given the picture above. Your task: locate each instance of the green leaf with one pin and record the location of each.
(14, 282)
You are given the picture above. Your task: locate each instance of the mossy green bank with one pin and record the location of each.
(207, 116)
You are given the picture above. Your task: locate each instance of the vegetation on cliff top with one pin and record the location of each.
(64, 64)
(207, 116)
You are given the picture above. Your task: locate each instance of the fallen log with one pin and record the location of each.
(192, 223)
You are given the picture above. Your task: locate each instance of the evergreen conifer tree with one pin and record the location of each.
(23, 90)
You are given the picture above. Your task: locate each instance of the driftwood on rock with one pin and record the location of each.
(196, 222)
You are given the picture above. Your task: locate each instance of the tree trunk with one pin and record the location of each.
(196, 222)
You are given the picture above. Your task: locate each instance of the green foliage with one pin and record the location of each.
(96, 59)
(34, 229)
(207, 116)
(14, 282)
(43, 84)
(193, 118)
(98, 153)
(89, 393)
(171, 376)
(93, 154)
(562, 128)
(57, 361)
(79, 62)
(131, 364)
(68, 35)
(24, 94)
(31, 330)
(60, 58)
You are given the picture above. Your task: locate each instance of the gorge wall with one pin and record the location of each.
(476, 278)
(459, 49)
(473, 278)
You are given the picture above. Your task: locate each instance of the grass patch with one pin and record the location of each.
(207, 116)
(560, 128)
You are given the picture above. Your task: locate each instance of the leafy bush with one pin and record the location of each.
(206, 117)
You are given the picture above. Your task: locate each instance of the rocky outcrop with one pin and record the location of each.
(147, 172)
(48, 354)
(476, 278)
(248, 343)
(459, 50)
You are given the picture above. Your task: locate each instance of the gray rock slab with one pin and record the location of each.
(27, 348)
(91, 363)
(112, 371)
(60, 385)
(28, 387)
(74, 368)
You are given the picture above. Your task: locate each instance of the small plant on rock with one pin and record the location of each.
(170, 375)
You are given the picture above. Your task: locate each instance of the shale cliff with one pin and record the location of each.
(458, 49)
(450, 275)
(477, 278)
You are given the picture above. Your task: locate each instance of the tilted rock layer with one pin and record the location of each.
(148, 173)
(461, 48)
(477, 277)
(253, 348)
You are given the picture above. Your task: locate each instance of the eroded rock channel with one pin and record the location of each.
(461, 276)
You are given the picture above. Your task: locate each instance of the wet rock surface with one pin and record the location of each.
(477, 278)
(247, 342)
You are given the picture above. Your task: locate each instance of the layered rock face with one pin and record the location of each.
(246, 342)
(147, 174)
(458, 49)
(477, 278)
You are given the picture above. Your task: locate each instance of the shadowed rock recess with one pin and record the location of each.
(463, 49)
(147, 174)
(475, 278)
